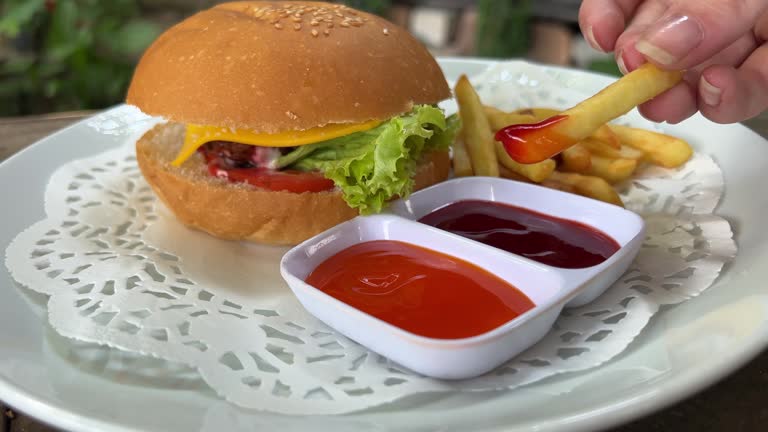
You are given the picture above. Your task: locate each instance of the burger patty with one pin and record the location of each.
(230, 155)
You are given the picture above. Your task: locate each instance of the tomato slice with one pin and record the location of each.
(290, 181)
(223, 159)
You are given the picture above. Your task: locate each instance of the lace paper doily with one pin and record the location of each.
(120, 271)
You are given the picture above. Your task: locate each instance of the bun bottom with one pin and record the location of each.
(242, 212)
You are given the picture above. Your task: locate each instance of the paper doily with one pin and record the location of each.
(120, 271)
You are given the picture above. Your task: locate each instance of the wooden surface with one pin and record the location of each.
(739, 403)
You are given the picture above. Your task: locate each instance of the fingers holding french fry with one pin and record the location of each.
(534, 143)
(476, 130)
(606, 154)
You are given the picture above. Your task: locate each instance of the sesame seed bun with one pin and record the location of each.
(279, 66)
(241, 212)
(272, 67)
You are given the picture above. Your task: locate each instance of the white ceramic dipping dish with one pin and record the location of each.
(550, 288)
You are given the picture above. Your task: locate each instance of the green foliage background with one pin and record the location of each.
(502, 28)
(68, 54)
(58, 55)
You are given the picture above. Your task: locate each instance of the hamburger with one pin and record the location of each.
(286, 118)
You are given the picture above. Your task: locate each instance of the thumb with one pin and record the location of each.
(691, 32)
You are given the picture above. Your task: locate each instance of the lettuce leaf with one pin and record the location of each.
(374, 166)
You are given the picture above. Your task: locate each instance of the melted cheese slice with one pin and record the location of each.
(198, 135)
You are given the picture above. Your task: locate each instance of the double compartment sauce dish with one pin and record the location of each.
(464, 275)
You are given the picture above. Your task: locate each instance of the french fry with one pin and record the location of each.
(462, 166)
(528, 111)
(612, 170)
(603, 133)
(576, 159)
(600, 148)
(537, 172)
(660, 149)
(476, 129)
(530, 145)
(499, 119)
(589, 186)
(511, 175)
(538, 113)
(564, 187)
(628, 152)
(492, 110)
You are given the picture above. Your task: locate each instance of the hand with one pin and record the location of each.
(721, 44)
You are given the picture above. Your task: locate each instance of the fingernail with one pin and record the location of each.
(590, 35)
(671, 40)
(620, 64)
(709, 93)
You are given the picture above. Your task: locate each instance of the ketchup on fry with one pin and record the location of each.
(535, 142)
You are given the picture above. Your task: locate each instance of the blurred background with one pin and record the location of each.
(64, 55)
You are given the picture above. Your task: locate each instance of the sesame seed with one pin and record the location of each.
(330, 15)
(326, 32)
(386, 31)
(297, 26)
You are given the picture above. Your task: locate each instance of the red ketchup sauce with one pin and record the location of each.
(546, 239)
(247, 167)
(532, 143)
(419, 290)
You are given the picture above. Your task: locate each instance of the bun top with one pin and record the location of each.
(284, 65)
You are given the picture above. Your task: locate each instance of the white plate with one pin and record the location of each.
(671, 359)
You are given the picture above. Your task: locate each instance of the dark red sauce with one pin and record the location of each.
(419, 290)
(543, 238)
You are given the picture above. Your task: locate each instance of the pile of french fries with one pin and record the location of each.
(591, 167)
